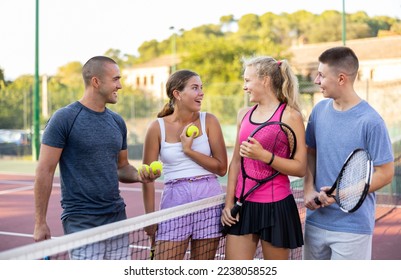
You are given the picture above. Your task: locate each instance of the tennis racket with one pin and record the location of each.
(152, 242)
(353, 181)
(275, 137)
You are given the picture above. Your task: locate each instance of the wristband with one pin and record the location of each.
(271, 160)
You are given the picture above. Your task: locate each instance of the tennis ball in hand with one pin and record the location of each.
(142, 166)
(192, 129)
(156, 165)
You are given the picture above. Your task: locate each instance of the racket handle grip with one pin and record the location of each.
(234, 212)
(152, 242)
(225, 229)
(317, 201)
(152, 253)
(329, 192)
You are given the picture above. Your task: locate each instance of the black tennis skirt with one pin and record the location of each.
(277, 223)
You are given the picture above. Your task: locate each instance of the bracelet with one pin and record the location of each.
(271, 160)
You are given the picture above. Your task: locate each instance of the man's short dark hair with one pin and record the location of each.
(94, 67)
(342, 58)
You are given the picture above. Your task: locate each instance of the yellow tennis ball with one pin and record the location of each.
(142, 166)
(156, 165)
(192, 129)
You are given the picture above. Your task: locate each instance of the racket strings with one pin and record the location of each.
(276, 139)
(353, 181)
(291, 142)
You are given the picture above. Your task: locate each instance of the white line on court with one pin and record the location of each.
(16, 234)
(16, 190)
(20, 234)
(129, 189)
(11, 182)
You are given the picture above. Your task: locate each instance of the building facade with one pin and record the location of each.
(151, 77)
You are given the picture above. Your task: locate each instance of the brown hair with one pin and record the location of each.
(342, 58)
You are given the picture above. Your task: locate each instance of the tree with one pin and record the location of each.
(1, 74)
(115, 54)
(380, 23)
(228, 24)
(213, 50)
(396, 28)
(327, 27)
(66, 86)
(2, 81)
(301, 23)
(16, 104)
(149, 50)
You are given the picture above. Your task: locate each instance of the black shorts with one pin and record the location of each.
(277, 223)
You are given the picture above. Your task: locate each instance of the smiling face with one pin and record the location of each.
(337, 71)
(328, 80)
(253, 85)
(109, 83)
(192, 94)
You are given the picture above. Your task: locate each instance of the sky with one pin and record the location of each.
(76, 30)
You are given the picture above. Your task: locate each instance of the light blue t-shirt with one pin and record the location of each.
(91, 142)
(334, 135)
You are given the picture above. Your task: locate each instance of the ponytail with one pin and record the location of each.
(168, 109)
(289, 87)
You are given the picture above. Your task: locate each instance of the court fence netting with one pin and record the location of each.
(389, 197)
(133, 243)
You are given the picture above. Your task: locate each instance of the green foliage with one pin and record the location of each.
(149, 50)
(248, 25)
(396, 28)
(16, 104)
(216, 60)
(2, 81)
(213, 50)
(115, 55)
(65, 87)
(133, 103)
(231, 102)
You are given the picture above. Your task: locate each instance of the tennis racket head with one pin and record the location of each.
(353, 182)
(275, 137)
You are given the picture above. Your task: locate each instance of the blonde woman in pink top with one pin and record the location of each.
(269, 214)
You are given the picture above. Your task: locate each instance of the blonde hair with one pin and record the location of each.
(283, 80)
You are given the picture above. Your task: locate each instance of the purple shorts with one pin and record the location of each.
(202, 224)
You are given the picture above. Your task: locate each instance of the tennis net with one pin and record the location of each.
(389, 197)
(131, 242)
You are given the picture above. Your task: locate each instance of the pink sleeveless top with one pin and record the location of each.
(271, 191)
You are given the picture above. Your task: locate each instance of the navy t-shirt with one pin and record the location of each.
(91, 142)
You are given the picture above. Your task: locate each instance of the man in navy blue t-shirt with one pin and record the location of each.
(89, 142)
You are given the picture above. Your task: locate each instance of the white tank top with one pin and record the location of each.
(175, 163)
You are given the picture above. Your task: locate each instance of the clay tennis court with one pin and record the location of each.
(17, 215)
(17, 208)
